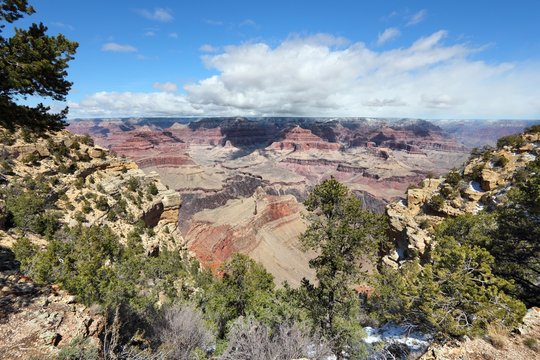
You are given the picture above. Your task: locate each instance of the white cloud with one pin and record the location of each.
(119, 48)
(166, 86)
(173, 35)
(105, 104)
(150, 33)
(159, 14)
(207, 48)
(387, 35)
(417, 17)
(327, 76)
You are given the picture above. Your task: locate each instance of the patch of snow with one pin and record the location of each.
(475, 186)
(402, 202)
(529, 156)
(416, 341)
(478, 208)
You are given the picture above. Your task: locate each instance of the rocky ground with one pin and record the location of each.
(523, 343)
(38, 321)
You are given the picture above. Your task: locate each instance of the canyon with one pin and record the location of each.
(242, 180)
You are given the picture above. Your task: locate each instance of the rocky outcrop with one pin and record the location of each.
(93, 187)
(480, 184)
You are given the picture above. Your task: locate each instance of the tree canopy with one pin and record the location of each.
(32, 63)
(346, 238)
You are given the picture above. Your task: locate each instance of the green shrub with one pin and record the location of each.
(25, 251)
(7, 138)
(500, 161)
(78, 349)
(79, 217)
(476, 173)
(26, 210)
(27, 135)
(436, 202)
(102, 203)
(79, 183)
(532, 343)
(534, 129)
(515, 140)
(450, 295)
(448, 192)
(87, 140)
(87, 208)
(133, 184)
(453, 178)
(152, 189)
(112, 215)
(32, 159)
(6, 166)
(60, 151)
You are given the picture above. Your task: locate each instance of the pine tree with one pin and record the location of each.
(346, 237)
(32, 63)
(516, 244)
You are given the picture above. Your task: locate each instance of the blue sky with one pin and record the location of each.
(431, 59)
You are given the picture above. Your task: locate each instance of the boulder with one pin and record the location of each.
(490, 179)
(95, 153)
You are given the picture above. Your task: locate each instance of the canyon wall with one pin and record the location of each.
(242, 181)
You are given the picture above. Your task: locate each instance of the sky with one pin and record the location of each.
(447, 59)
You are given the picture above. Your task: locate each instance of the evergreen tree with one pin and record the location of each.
(516, 244)
(246, 289)
(346, 237)
(32, 63)
(456, 293)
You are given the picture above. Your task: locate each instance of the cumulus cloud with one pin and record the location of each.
(417, 18)
(166, 86)
(119, 48)
(158, 14)
(207, 48)
(324, 75)
(387, 35)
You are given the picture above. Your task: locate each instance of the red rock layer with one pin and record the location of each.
(302, 139)
(214, 244)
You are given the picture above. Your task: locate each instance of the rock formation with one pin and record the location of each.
(85, 185)
(217, 163)
(481, 184)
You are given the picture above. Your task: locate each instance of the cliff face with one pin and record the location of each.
(213, 163)
(79, 183)
(480, 184)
